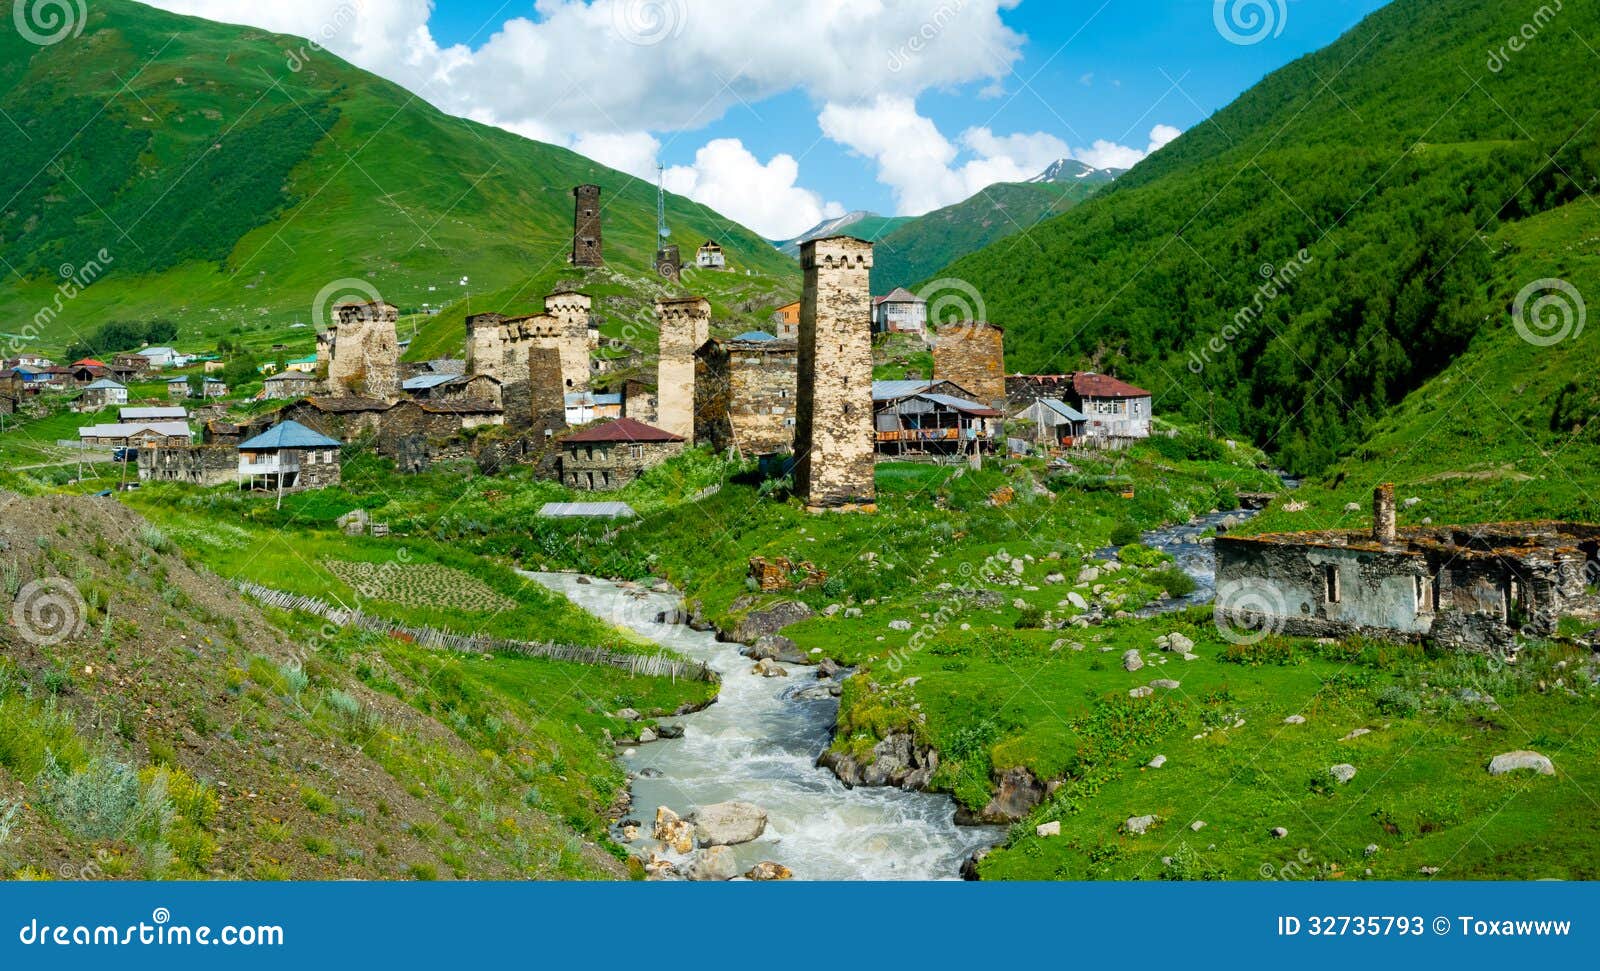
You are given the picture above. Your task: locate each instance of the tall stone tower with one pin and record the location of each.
(365, 352)
(546, 391)
(833, 443)
(685, 325)
(572, 313)
(973, 355)
(586, 242)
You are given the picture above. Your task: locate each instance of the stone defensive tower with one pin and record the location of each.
(364, 354)
(685, 325)
(547, 398)
(972, 354)
(572, 312)
(586, 241)
(498, 346)
(833, 442)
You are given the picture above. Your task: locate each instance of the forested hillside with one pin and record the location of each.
(1293, 267)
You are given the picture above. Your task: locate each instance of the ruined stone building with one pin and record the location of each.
(345, 419)
(685, 325)
(973, 355)
(587, 249)
(833, 407)
(363, 351)
(1473, 587)
(612, 455)
(206, 465)
(417, 434)
(744, 394)
(498, 346)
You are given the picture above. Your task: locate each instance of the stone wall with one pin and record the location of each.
(604, 466)
(745, 395)
(365, 358)
(205, 465)
(498, 346)
(833, 408)
(587, 245)
(973, 356)
(639, 401)
(685, 325)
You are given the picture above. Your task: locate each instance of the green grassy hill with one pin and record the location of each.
(230, 175)
(918, 248)
(1388, 158)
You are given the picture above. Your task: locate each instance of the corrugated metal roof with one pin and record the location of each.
(105, 384)
(960, 404)
(1063, 409)
(153, 414)
(755, 335)
(601, 510)
(168, 428)
(578, 399)
(890, 390)
(423, 382)
(288, 434)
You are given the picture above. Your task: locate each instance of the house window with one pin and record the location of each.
(1330, 583)
(636, 452)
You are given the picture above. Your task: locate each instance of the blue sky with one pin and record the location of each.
(777, 113)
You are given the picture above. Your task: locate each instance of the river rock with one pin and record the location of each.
(1139, 825)
(769, 871)
(827, 668)
(768, 668)
(1132, 660)
(673, 830)
(779, 648)
(669, 731)
(770, 620)
(627, 715)
(1088, 574)
(1052, 828)
(1178, 644)
(660, 868)
(1017, 791)
(1521, 761)
(1342, 772)
(714, 863)
(896, 761)
(729, 823)
(1076, 599)
(647, 735)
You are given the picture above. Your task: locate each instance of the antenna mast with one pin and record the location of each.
(661, 202)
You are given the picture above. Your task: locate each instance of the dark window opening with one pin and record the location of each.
(1330, 584)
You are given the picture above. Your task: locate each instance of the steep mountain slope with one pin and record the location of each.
(924, 244)
(222, 177)
(1295, 266)
(862, 224)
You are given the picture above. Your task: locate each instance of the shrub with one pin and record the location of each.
(1124, 533)
(103, 800)
(1272, 650)
(1032, 618)
(1137, 554)
(1174, 581)
(1399, 702)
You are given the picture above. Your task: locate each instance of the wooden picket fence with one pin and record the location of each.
(659, 665)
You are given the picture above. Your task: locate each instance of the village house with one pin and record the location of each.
(289, 384)
(288, 457)
(612, 455)
(345, 419)
(137, 362)
(1114, 409)
(926, 418)
(453, 387)
(163, 357)
(104, 393)
(12, 384)
(900, 312)
(87, 372)
(710, 257)
(1053, 422)
(786, 322)
(152, 414)
(135, 434)
(744, 393)
(583, 407)
(415, 434)
(213, 388)
(1471, 587)
(29, 361)
(204, 465)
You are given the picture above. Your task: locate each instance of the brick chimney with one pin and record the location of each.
(1383, 528)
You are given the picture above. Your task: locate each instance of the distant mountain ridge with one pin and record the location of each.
(862, 224)
(1072, 170)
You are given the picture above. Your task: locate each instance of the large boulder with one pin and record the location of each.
(1017, 791)
(1521, 761)
(729, 823)
(767, 871)
(770, 620)
(1132, 660)
(1343, 772)
(714, 863)
(896, 761)
(1139, 825)
(673, 830)
(776, 647)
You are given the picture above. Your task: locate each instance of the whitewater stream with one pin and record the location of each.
(759, 744)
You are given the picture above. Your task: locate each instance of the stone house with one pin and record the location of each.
(744, 393)
(135, 363)
(178, 389)
(346, 419)
(136, 434)
(104, 393)
(612, 455)
(289, 384)
(163, 357)
(1114, 409)
(973, 355)
(205, 465)
(213, 388)
(1473, 587)
(288, 457)
(925, 418)
(418, 433)
(900, 312)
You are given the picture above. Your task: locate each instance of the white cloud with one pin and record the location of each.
(1110, 155)
(727, 177)
(630, 152)
(1161, 135)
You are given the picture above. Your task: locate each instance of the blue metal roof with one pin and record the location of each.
(288, 434)
(577, 399)
(959, 404)
(1063, 409)
(890, 390)
(755, 335)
